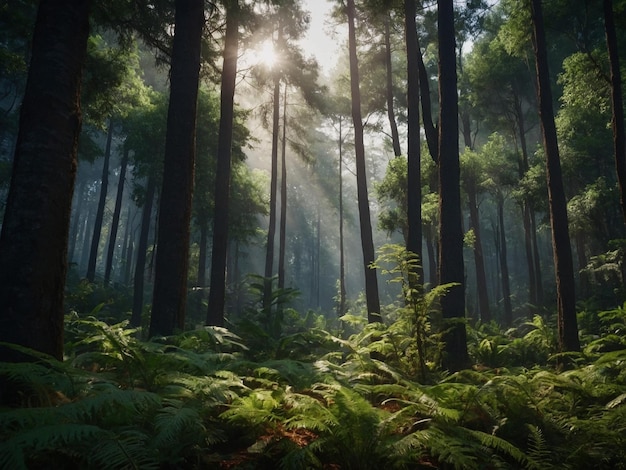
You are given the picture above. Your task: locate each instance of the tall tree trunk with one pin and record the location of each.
(142, 249)
(217, 293)
(430, 130)
(414, 180)
(451, 266)
(271, 230)
(367, 241)
(617, 103)
(536, 257)
(172, 261)
(87, 229)
(282, 235)
(432, 255)
(116, 218)
(342, 258)
(35, 229)
(479, 261)
(127, 262)
(202, 254)
(391, 115)
(97, 228)
(563, 265)
(504, 265)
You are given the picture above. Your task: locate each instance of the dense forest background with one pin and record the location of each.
(222, 247)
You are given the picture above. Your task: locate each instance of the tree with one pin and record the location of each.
(367, 242)
(414, 186)
(217, 293)
(562, 253)
(33, 243)
(617, 121)
(172, 260)
(451, 266)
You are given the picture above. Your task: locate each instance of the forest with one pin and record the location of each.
(312, 234)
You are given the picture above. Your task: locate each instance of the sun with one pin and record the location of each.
(267, 54)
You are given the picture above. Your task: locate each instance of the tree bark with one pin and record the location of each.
(563, 265)
(367, 241)
(451, 266)
(35, 229)
(116, 217)
(172, 261)
(391, 115)
(430, 130)
(414, 185)
(217, 292)
(342, 259)
(97, 228)
(617, 103)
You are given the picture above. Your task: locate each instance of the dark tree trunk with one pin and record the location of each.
(451, 266)
(536, 258)
(172, 261)
(271, 230)
(414, 179)
(391, 115)
(142, 249)
(504, 265)
(116, 218)
(367, 241)
(97, 228)
(617, 103)
(432, 255)
(282, 233)
(430, 130)
(33, 244)
(217, 293)
(563, 265)
(479, 261)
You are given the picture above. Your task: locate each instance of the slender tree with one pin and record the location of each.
(104, 186)
(172, 261)
(414, 155)
(367, 241)
(33, 243)
(617, 102)
(451, 266)
(217, 293)
(116, 217)
(282, 229)
(562, 252)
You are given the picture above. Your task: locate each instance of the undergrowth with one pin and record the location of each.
(310, 398)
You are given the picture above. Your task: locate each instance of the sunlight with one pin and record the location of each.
(266, 54)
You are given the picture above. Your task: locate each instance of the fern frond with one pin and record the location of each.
(174, 421)
(504, 446)
(130, 449)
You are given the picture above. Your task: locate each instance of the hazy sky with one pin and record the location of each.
(319, 41)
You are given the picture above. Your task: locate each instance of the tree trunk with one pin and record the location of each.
(217, 292)
(202, 255)
(172, 261)
(116, 218)
(282, 234)
(451, 266)
(35, 229)
(563, 265)
(391, 115)
(97, 228)
(504, 266)
(617, 103)
(271, 230)
(431, 132)
(127, 263)
(414, 179)
(142, 249)
(367, 241)
(342, 260)
(479, 261)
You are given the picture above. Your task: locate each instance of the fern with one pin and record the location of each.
(131, 449)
